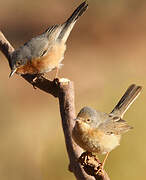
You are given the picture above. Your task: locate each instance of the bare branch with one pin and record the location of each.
(6, 47)
(67, 111)
(92, 166)
(64, 90)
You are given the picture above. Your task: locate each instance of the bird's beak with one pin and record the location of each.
(12, 72)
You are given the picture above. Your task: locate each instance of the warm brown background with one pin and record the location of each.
(106, 53)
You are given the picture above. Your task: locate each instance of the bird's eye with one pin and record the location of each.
(88, 120)
(18, 63)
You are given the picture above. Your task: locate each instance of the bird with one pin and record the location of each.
(98, 132)
(45, 52)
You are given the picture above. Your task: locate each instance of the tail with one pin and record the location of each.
(69, 24)
(127, 99)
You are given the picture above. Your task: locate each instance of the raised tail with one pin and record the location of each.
(69, 24)
(127, 99)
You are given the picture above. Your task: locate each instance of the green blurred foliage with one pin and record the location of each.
(105, 54)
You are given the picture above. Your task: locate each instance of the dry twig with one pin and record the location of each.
(64, 90)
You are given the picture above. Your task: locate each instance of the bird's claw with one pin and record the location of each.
(36, 79)
(100, 170)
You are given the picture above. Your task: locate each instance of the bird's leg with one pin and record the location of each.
(106, 156)
(57, 72)
(100, 170)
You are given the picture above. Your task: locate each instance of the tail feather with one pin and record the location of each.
(69, 24)
(127, 99)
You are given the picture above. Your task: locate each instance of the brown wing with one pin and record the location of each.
(115, 126)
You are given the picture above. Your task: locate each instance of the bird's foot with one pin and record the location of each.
(37, 78)
(100, 170)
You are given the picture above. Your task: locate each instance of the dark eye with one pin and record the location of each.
(18, 63)
(88, 120)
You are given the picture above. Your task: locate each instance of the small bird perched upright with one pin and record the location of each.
(45, 52)
(99, 132)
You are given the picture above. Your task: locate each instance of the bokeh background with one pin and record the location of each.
(106, 53)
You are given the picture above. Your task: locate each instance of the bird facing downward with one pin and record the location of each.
(98, 132)
(45, 52)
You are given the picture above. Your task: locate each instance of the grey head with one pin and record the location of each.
(89, 116)
(18, 59)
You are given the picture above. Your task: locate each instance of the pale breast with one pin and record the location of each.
(94, 140)
(109, 142)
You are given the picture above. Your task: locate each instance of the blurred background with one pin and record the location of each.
(106, 52)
